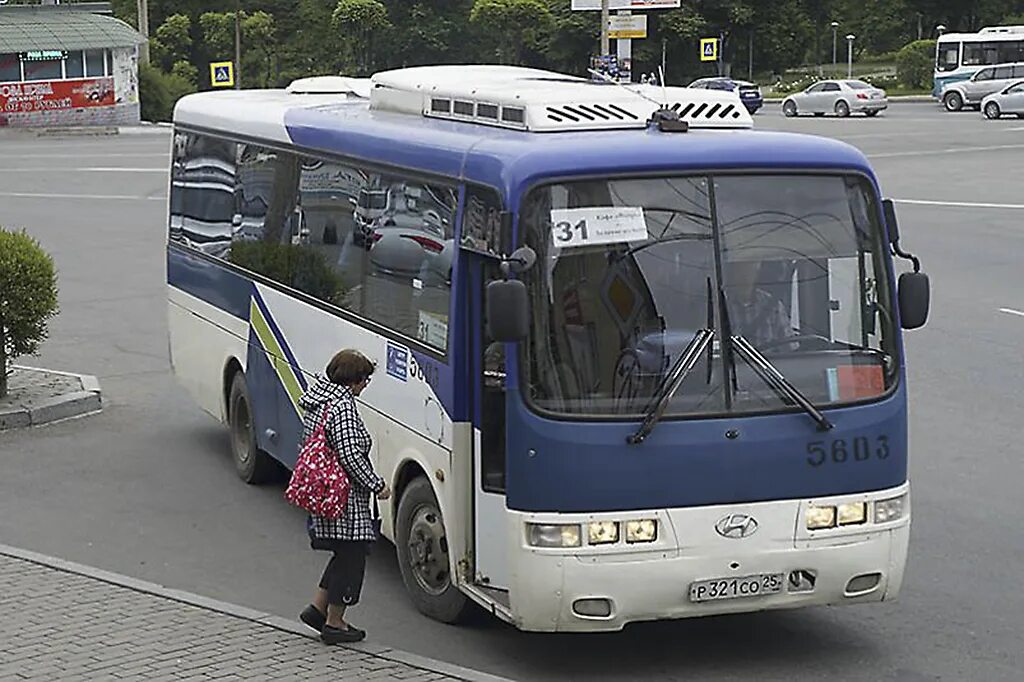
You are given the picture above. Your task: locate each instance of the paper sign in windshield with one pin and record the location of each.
(572, 227)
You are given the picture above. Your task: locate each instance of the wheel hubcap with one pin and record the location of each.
(428, 550)
(242, 423)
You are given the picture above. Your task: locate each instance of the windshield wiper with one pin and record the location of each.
(686, 362)
(776, 381)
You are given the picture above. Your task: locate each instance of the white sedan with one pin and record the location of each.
(1009, 100)
(839, 97)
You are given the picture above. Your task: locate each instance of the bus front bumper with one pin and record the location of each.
(594, 589)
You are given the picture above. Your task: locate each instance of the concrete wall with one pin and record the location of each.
(123, 111)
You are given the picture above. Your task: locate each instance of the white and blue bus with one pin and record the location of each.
(636, 361)
(958, 56)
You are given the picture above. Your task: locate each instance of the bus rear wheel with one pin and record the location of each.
(253, 465)
(423, 555)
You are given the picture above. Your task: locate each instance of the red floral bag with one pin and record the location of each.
(319, 484)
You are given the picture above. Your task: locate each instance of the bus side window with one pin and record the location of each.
(388, 240)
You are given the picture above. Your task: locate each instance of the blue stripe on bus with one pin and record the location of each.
(279, 335)
(581, 467)
(211, 283)
(271, 408)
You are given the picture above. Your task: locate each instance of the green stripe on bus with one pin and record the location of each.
(285, 372)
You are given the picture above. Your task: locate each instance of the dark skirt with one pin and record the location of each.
(344, 573)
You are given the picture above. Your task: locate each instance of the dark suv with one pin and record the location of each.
(749, 93)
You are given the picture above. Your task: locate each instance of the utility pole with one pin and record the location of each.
(143, 7)
(238, 44)
(605, 49)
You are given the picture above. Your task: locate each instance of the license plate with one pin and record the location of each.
(736, 588)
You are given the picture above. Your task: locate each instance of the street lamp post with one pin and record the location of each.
(940, 29)
(835, 25)
(849, 54)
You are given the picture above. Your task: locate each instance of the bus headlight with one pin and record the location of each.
(852, 513)
(553, 534)
(602, 532)
(820, 517)
(642, 530)
(890, 510)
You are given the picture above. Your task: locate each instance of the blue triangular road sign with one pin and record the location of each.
(709, 49)
(221, 74)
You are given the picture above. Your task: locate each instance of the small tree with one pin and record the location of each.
(361, 25)
(914, 63)
(28, 298)
(512, 25)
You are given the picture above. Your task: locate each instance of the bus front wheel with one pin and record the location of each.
(253, 465)
(423, 555)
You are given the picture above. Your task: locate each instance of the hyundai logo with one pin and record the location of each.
(736, 526)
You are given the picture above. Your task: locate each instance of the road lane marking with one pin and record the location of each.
(958, 150)
(1011, 311)
(97, 154)
(957, 204)
(96, 169)
(125, 197)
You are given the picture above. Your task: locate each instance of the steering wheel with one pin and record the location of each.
(799, 339)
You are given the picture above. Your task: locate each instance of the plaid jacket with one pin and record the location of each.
(347, 436)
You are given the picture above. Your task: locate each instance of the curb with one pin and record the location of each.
(87, 400)
(142, 128)
(243, 613)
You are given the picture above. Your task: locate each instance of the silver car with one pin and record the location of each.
(984, 82)
(839, 97)
(1009, 100)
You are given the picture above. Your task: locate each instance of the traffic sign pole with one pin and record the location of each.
(604, 28)
(624, 50)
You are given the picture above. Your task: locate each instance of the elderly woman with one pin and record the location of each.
(348, 537)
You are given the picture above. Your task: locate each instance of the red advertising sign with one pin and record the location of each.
(56, 95)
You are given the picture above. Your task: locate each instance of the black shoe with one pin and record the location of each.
(312, 617)
(332, 635)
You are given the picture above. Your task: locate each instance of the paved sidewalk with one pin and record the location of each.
(65, 621)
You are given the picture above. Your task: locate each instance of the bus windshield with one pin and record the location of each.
(793, 264)
(947, 57)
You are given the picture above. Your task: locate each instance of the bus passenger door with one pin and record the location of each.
(490, 518)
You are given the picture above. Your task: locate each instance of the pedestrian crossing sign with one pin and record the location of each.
(709, 49)
(222, 74)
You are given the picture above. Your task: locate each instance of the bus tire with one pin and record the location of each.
(423, 555)
(842, 109)
(992, 111)
(252, 464)
(953, 101)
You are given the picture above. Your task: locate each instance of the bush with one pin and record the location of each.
(154, 96)
(298, 265)
(28, 298)
(159, 91)
(915, 63)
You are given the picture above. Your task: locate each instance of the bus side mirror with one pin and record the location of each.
(508, 310)
(914, 293)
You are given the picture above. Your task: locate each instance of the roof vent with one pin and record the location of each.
(331, 85)
(542, 101)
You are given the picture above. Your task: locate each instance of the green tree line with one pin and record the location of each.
(286, 39)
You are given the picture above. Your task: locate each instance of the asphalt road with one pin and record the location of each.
(147, 488)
